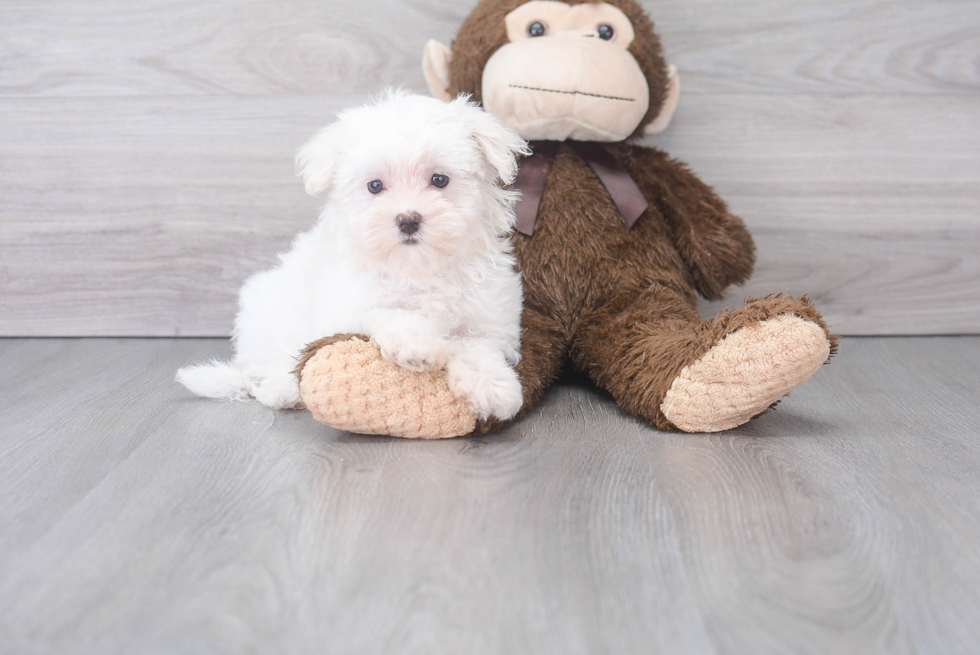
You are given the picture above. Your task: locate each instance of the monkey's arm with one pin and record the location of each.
(715, 244)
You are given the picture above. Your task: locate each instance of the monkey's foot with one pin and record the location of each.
(745, 373)
(348, 385)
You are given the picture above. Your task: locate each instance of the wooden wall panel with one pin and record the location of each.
(146, 149)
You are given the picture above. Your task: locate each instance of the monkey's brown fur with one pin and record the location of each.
(621, 303)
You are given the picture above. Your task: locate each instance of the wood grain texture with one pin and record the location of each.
(169, 219)
(134, 518)
(146, 149)
(275, 47)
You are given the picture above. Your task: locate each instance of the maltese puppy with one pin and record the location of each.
(411, 249)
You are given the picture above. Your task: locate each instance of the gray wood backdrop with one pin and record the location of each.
(146, 148)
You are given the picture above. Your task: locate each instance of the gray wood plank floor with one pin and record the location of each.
(146, 148)
(136, 519)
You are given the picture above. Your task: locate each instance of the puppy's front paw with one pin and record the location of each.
(417, 353)
(490, 389)
(277, 392)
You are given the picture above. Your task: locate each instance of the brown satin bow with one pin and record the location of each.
(534, 171)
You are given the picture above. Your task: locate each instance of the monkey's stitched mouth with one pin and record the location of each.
(571, 93)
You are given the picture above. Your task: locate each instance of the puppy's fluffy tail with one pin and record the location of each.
(215, 380)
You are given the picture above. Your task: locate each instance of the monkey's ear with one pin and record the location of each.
(670, 104)
(435, 66)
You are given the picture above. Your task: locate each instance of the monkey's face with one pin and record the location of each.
(567, 73)
(580, 69)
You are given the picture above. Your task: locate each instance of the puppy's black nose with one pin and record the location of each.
(409, 224)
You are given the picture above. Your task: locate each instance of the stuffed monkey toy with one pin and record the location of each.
(615, 242)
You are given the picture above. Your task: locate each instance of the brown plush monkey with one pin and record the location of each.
(616, 241)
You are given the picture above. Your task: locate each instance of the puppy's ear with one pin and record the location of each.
(499, 144)
(316, 162)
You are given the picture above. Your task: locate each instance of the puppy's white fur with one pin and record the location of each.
(446, 297)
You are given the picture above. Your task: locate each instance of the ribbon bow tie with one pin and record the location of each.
(534, 171)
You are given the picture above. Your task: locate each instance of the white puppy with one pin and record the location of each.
(410, 249)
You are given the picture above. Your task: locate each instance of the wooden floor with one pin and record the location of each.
(136, 519)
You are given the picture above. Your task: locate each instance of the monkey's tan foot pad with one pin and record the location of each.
(745, 373)
(348, 385)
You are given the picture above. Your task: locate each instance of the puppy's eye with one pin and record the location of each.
(537, 28)
(376, 186)
(439, 180)
(606, 32)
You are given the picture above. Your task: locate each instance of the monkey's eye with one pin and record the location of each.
(376, 186)
(439, 180)
(537, 28)
(606, 32)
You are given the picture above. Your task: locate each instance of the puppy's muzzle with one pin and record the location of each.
(409, 224)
